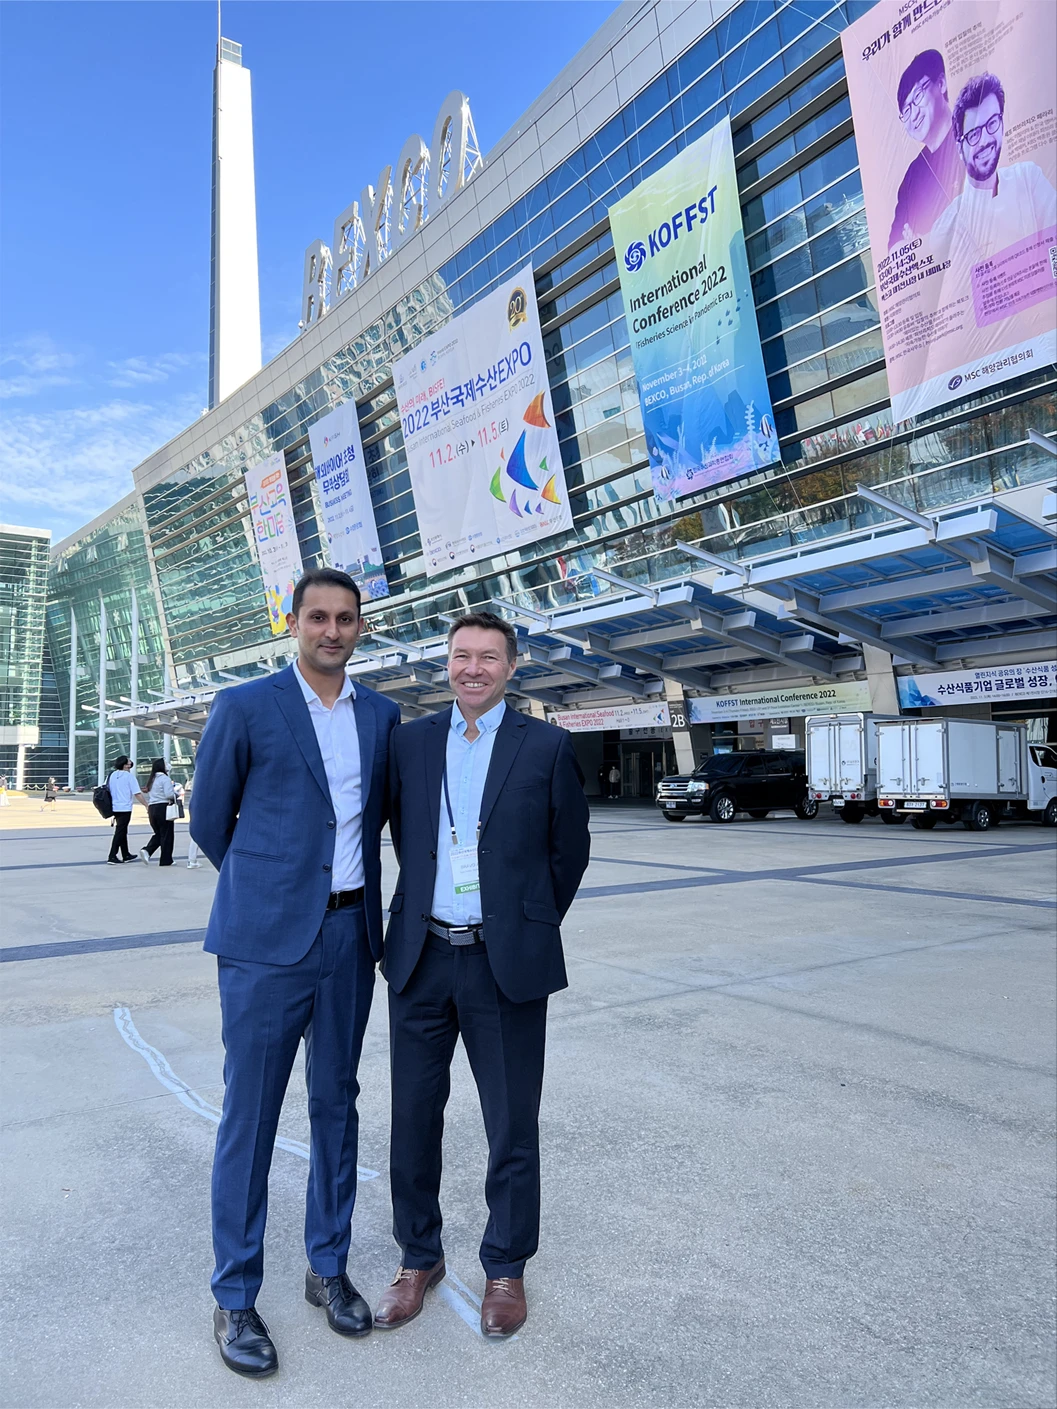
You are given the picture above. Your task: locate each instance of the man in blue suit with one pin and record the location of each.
(490, 824)
(290, 797)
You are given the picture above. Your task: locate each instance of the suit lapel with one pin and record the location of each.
(295, 711)
(366, 727)
(436, 752)
(508, 739)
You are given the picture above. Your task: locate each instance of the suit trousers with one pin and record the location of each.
(266, 1010)
(452, 991)
(119, 845)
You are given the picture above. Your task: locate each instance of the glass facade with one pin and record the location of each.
(775, 68)
(102, 579)
(23, 585)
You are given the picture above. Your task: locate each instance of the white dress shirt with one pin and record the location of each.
(339, 745)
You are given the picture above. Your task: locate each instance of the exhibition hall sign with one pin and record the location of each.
(272, 518)
(688, 302)
(954, 109)
(478, 426)
(345, 500)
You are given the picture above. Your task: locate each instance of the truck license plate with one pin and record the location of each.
(669, 804)
(838, 802)
(916, 806)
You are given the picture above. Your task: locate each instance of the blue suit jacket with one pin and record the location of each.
(261, 812)
(533, 850)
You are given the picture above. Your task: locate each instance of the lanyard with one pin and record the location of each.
(451, 815)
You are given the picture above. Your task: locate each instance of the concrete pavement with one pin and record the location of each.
(797, 1131)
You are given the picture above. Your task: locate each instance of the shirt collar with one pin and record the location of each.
(348, 690)
(487, 723)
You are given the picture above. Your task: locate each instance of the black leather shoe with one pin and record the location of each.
(245, 1345)
(347, 1312)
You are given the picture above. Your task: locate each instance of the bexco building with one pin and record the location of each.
(623, 379)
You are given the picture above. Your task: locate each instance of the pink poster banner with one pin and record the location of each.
(954, 104)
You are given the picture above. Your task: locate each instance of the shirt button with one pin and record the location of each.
(326, 868)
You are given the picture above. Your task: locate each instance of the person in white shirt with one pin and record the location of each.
(124, 794)
(161, 795)
(998, 206)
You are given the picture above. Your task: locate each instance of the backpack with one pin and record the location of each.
(102, 801)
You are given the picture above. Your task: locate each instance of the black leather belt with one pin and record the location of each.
(456, 934)
(340, 898)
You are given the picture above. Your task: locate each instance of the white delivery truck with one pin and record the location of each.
(968, 770)
(842, 764)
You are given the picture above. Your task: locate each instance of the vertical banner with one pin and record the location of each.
(478, 424)
(955, 112)
(688, 301)
(272, 516)
(348, 514)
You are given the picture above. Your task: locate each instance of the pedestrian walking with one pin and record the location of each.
(490, 826)
(614, 782)
(193, 849)
(5, 801)
(290, 800)
(51, 792)
(124, 794)
(161, 809)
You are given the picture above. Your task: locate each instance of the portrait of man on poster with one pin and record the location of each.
(936, 174)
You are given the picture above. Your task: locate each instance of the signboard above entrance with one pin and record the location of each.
(781, 704)
(636, 716)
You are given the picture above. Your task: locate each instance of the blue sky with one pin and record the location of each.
(107, 113)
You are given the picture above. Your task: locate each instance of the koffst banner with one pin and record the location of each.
(688, 302)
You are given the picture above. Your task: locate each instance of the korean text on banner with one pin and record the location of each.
(272, 516)
(478, 424)
(348, 514)
(955, 112)
(688, 301)
(988, 685)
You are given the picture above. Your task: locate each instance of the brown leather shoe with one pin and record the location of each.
(503, 1310)
(402, 1300)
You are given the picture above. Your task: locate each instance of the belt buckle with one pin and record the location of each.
(466, 935)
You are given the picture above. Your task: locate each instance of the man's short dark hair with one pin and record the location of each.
(927, 64)
(323, 577)
(487, 621)
(120, 762)
(972, 95)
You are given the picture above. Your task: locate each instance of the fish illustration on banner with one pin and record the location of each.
(479, 433)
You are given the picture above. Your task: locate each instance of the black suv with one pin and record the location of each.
(756, 783)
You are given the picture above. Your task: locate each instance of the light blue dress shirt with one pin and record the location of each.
(467, 770)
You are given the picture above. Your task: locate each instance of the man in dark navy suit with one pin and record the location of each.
(490, 824)
(290, 797)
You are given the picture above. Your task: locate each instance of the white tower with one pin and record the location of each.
(234, 293)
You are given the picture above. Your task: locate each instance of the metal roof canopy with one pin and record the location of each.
(978, 582)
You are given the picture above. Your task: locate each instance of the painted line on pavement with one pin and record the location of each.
(716, 877)
(458, 1296)
(191, 1099)
(933, 894)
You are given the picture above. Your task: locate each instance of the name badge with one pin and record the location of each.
(464, 869)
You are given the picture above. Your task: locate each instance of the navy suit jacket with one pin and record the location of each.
(261, 812)
(532, 854)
